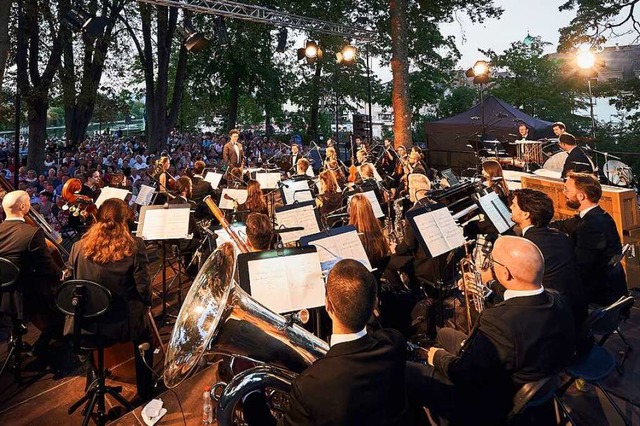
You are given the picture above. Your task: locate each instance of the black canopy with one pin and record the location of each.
(450, 140)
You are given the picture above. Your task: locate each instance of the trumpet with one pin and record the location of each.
(474, 290)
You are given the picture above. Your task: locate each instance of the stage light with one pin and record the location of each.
(194, 41)
(481, 68)
(311, 52)
(585, 58)
(79, 20)
(347, 55)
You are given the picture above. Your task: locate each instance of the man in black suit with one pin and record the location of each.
(200, 189)
(524, 132)
(577, 160)
(595, 240)
(523, 339)
(532, 211)
(295, 156)
(25, 246)
(360, 381)
(232, 152)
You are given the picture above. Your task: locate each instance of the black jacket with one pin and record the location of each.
(356, 383)
(577, 161)
(25, 246)
(130, 286)
(596, 241)
(560, 268)
(515, 342)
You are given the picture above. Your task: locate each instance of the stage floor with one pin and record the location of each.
(43, 397)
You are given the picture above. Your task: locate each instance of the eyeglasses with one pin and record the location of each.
(492, 261)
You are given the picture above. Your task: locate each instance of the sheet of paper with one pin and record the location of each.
(161, 223)
(310, 172)
(144, 195)
(108, 192)
(431, 234)
(451, 232)
(496, 211)
(346, 245)
(223, 235)
(213, 178)
(239, 195)
(287, 284)
(268, 180)
(296, 191)
(375, 205)
(304, 216)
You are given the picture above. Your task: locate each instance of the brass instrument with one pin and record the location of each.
(218, 214)
(217, 316)
(474, 290)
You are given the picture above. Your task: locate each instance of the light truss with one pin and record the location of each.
(249, 12)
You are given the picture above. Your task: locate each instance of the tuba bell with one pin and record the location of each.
(217, 316)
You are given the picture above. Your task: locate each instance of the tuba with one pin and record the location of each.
(217, 316)
(474, 290)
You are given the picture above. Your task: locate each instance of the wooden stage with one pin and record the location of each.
(43, 398)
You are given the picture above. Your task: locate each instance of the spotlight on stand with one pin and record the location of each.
(193, 40)
(282, 40)
(347, 55)
(479, 72)
(79, 20)
(221, 31)
(311, 52)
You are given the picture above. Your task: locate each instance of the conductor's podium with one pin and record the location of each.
(620, 203)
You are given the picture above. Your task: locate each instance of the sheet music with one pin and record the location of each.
(144, 195)
(303, 192)
(496, 211)
(287, 284)
(213, 178)
(345, 245)
(223, 235)
(268, 180)
(371, 196)
(158, 223)
(108, 192)
(310, 172)
(439, 231)
(304, 216)
(239, 195)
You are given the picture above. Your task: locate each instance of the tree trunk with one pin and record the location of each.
(234, 96)
(400, 70)
(5, 10)
(314, 111)
(37, 117)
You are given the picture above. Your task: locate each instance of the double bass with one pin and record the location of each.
(42, 315)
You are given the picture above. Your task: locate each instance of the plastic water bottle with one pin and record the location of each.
(207, 407)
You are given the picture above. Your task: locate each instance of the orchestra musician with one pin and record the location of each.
(361, 379)
(259, 230)
(577, 160)
(368, 226)
(232, 152)
(201, 188)
(415, 164)
(328, 199)
(558, 128)
(337, 169)
(532, 211)
(295, 156)
(595, 240)
(525, 133)
(91, 184)
(255, 202)
(109, 255)
(25, 246)
(301, 170)
(330, 155)
(526, 338)
(235, 178)
(162, 177)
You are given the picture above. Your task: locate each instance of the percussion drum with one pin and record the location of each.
(556, 162)
(617, 173)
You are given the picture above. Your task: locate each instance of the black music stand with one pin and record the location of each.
(12, 307)
(88, 300)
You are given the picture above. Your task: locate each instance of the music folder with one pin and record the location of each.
(337, 244)
(283, 280)
(295, 215)
(435, 229)
(495, 210)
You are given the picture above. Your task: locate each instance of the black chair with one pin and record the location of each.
(614, 315)
(598, 363)
(87, 300)
(12, 307)
(530, 402)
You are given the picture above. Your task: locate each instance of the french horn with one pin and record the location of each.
(217, 316)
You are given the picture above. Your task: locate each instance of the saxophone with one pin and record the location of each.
(398, 220)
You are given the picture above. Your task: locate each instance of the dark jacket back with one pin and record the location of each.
(356, 383)
(577, 161)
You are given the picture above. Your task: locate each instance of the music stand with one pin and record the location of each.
(303, 214)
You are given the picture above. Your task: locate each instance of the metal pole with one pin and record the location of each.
(18, 100)
(369, 96)
(483, 133)
(335, 87)
(593, 120)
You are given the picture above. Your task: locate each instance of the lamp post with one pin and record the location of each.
(586, 61)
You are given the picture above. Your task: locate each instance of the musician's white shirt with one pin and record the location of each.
(585, 211)
(508, 294)
(16, 219)
(349, 337)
